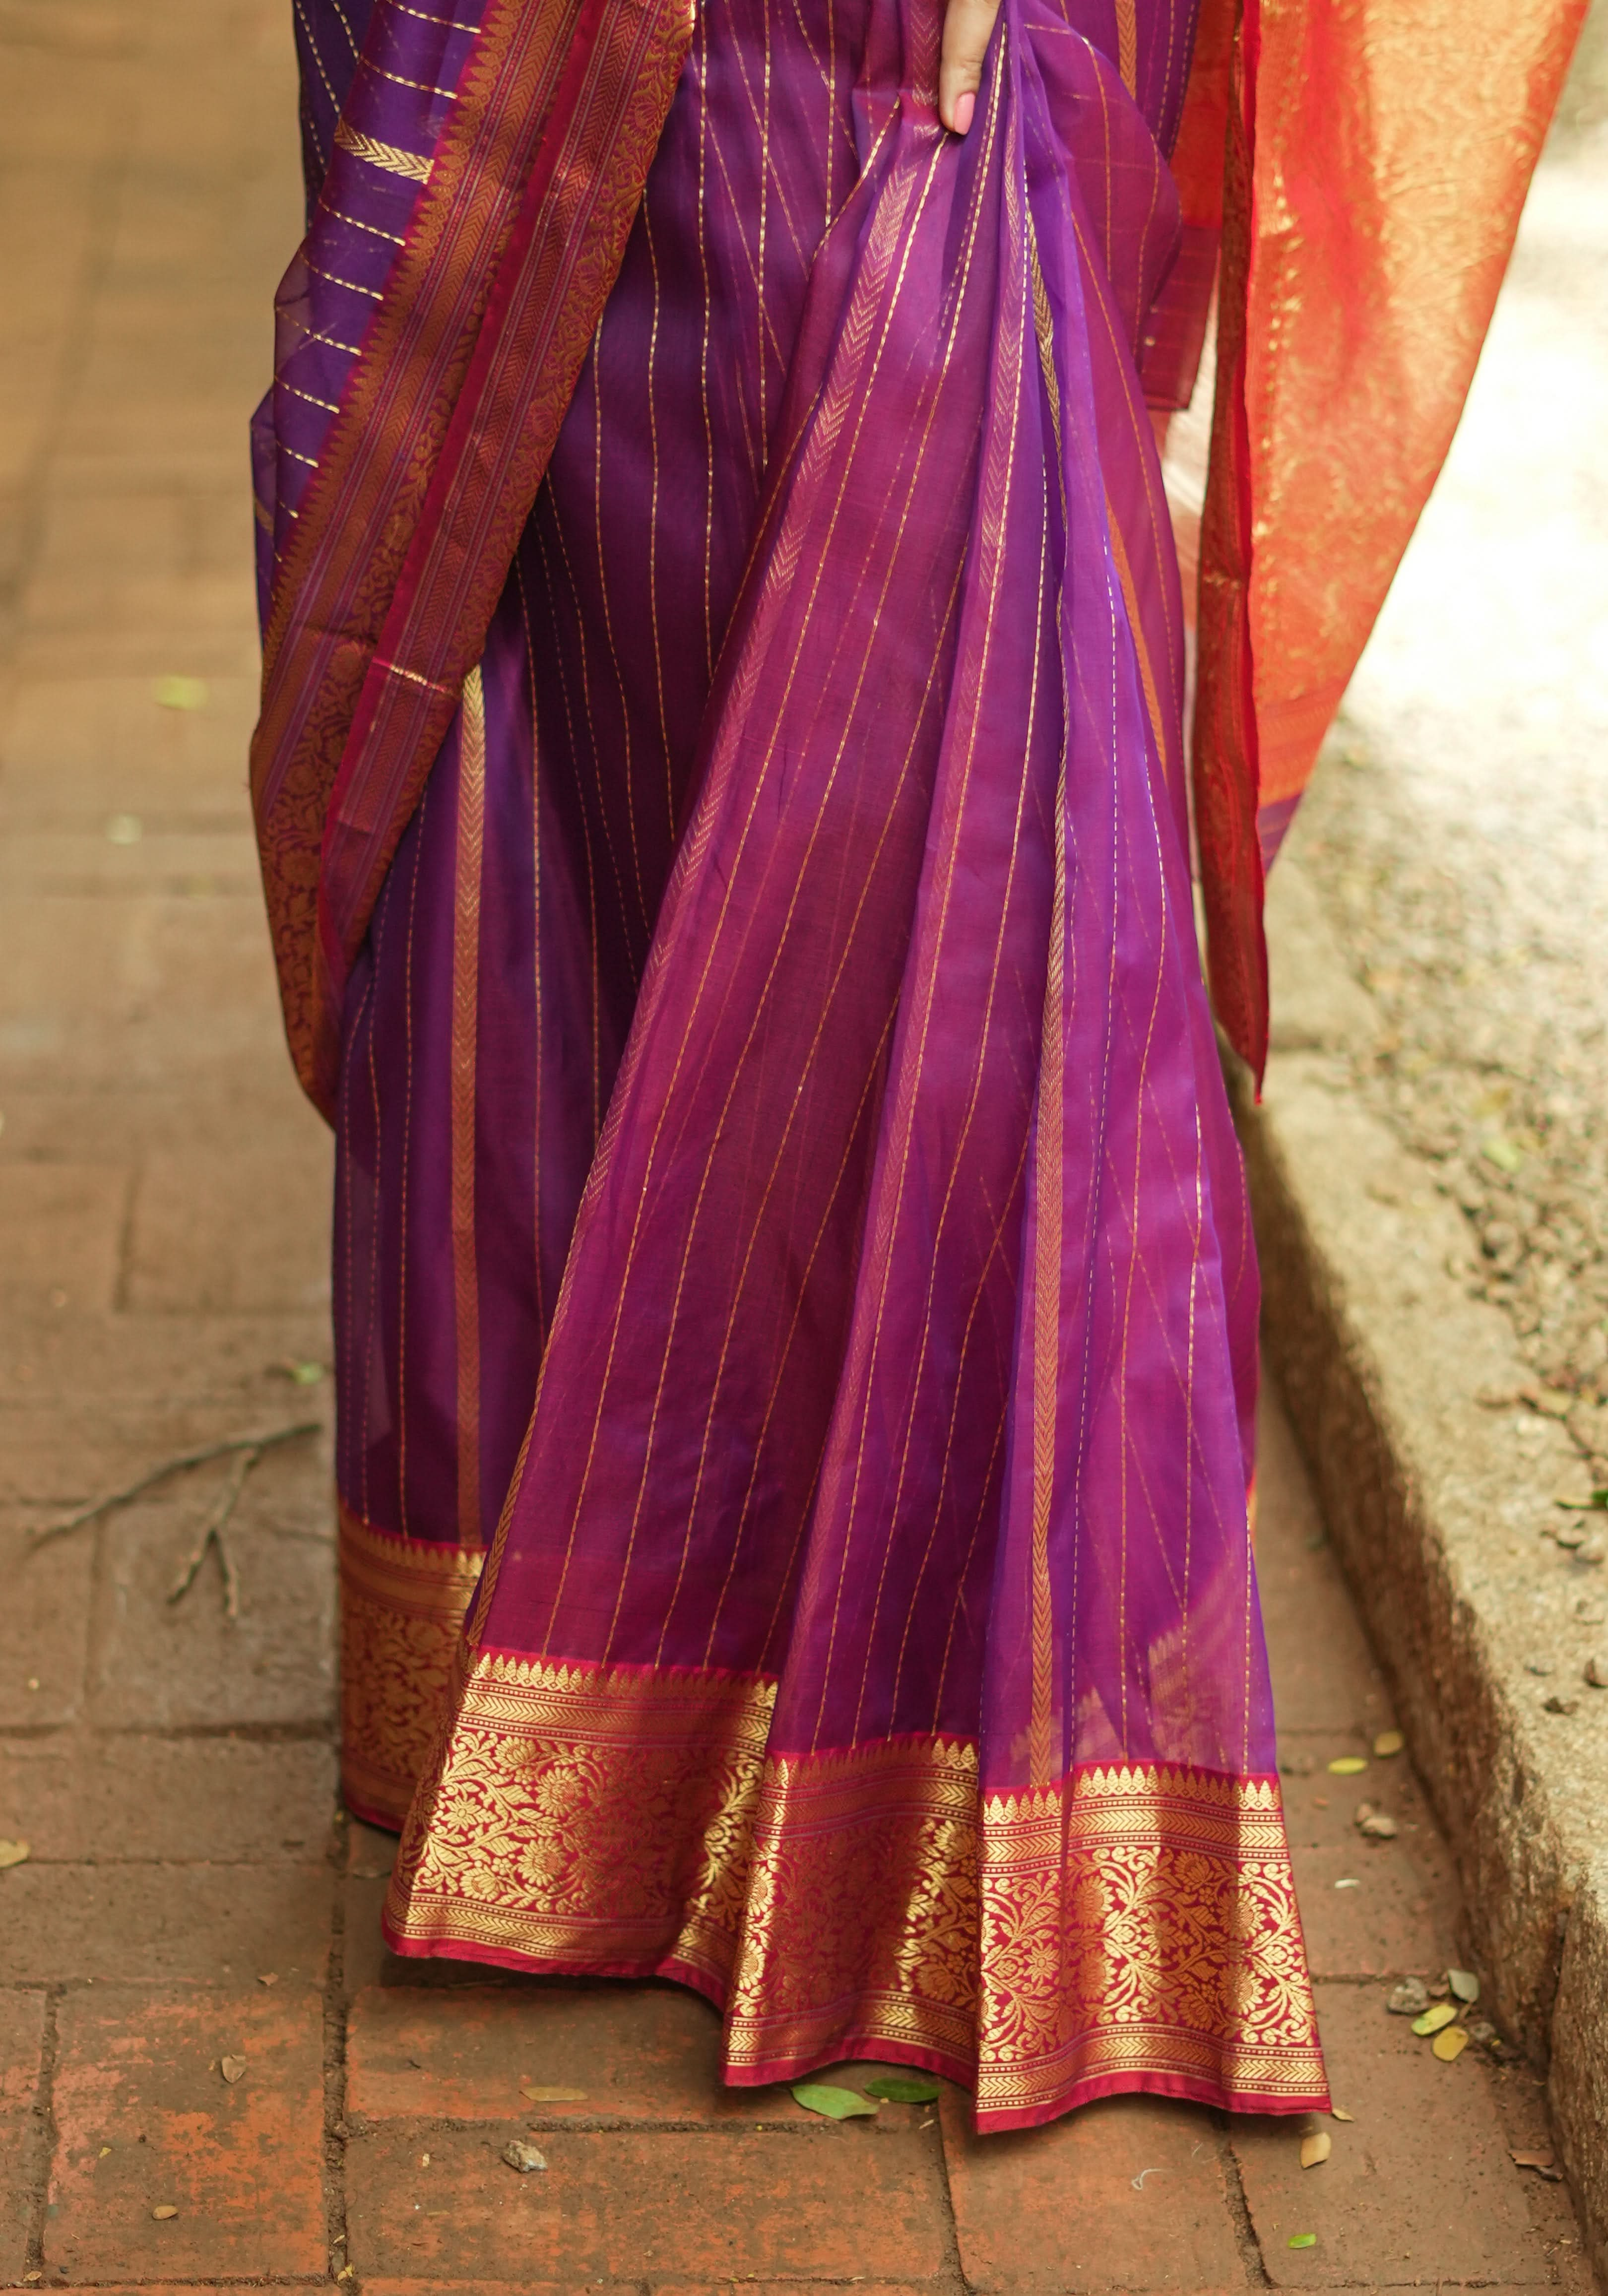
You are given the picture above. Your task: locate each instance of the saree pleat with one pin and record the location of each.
(788, 1217)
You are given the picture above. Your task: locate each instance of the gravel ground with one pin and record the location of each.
(1457, 827)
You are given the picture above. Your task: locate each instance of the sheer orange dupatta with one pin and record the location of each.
(1375, 158)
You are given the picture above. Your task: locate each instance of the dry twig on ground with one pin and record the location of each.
(245, 1450)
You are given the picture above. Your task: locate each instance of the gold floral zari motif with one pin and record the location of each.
(587, 1817)
(1139, 1930)
(402, 1607)
(1131, 1927)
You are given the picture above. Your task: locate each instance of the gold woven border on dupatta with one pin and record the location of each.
(1130, 1927)
(402, 1606)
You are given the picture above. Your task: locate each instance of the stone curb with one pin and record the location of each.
(1438, 1506)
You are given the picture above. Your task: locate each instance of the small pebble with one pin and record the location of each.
(1556, 1705)
(1591, 1611)
(522, 2156)
(1596, 1672)
(1570, 1534)
(1410, 1998)
(1537, 1665)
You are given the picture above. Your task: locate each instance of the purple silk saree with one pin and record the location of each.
(789, 1226)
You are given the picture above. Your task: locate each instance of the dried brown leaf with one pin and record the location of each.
(12, 1853)
(1389, 1743)
(1316, 2149)
(165, 2210)
(232, 2068)
(1339, 2114)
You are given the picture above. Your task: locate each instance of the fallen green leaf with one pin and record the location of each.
(834, 2104)
(902, 2088)
(1505, 1154)
(1346, 1765)
(1303, 2240)
(1464, 1983)
(1433, 2020)
(1389, 1743)
(181, 692)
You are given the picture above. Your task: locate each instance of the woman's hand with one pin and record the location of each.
(967, 27)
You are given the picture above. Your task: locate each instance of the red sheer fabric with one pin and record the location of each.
(1377, 156)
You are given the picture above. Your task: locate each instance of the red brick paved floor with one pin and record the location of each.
(161, 1258)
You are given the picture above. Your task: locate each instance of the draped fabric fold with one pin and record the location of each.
(722, 805)
(1378, 156)
(444, 414)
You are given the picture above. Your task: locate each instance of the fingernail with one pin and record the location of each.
(964, 106)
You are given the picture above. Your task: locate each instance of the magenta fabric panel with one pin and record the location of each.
(818, 1217)
(608, 632)
(784, 1422)
(389, 69)
(787, 1205)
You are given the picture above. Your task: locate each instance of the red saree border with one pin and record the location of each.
(1129, 1927)
(402, 1606)
(434, 457)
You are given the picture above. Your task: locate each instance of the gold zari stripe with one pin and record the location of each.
(389, 156)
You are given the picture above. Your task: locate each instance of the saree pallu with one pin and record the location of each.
(788, 1217)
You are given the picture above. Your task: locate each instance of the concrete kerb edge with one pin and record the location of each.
(1435, 1509)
